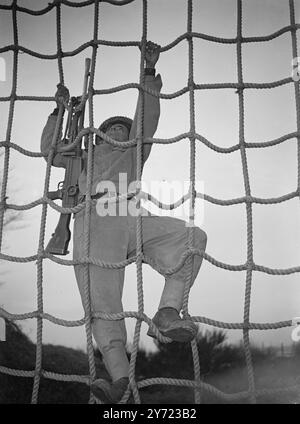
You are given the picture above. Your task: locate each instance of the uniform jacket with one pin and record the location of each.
(110, 161)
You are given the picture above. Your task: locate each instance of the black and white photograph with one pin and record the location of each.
(149, 206)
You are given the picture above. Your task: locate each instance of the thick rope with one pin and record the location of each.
(296, 83)
(146, 319)
(87, 216)
(206, 142)
(226, 397)
(58, 38)
(218, 86)
(188, 256)
(182, 37)
(190, 232)
(240, 93)
(12, 100)
(139, 222)
(163, 271)
(39, 342)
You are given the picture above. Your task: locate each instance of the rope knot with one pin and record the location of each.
(41, 254)
(240, 89)
(91, 93)
(189, 36)
(94, 44)
(13, 96)
(250, 265)
(191, 84)
(246, 325)
(60, 53)
(294, 28)
(3, 204)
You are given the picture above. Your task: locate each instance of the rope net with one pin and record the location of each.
(198, 385)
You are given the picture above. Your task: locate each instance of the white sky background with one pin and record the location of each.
(269, 114)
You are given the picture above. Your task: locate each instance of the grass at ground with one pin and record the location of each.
(269, 374)
(272, 373)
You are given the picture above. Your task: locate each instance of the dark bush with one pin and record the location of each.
(173, 360)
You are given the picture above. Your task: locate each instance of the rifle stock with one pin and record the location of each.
(59, 242)
(73, 163)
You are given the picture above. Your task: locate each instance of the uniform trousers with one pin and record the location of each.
(113, 239)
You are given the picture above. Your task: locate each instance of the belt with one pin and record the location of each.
(107, 193)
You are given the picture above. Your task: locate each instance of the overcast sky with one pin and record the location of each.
(217, 294)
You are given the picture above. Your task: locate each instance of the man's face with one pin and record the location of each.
(118, 132)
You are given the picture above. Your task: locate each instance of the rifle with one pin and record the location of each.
(68, 190)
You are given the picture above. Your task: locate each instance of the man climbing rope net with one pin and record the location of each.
(113, 238)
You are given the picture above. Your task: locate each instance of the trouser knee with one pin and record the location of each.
(200, 238)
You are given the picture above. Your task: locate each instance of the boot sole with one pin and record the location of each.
(183, 332)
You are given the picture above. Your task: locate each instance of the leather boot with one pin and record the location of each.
(109, 392)
(170, 324)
